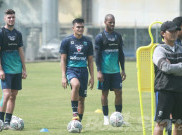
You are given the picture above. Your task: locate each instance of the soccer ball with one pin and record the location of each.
(1, 125)
(116, 119)
(74, 126)
(17, 123)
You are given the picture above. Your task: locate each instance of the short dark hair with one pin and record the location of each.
(9, 11)
(78, 20)
(109, 15)
(178, 21)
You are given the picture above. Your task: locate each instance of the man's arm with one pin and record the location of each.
(122, 59)
(98, 57)
(2, 74)
(22, 57)
(91, 71)
(159, 59)
(63, 69)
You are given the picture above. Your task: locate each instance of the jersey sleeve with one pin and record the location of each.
(90, 50)
(20, 40)
(63, 47)
(121, 53)
(159, 59)
(1, 37)
(98, 51)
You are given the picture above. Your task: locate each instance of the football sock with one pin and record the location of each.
(8, 117)
(105, 110)
(2, 116)
(118, 108)
(74, 105)
(80, 116)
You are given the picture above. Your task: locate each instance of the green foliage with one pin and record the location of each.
(43, 103)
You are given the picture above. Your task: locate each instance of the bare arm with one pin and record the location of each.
(2, 74)
(91, 71)
(24, 72)
(63, 69)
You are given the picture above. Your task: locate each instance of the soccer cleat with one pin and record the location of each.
(7, 126)
(75, 117)
(106, 120)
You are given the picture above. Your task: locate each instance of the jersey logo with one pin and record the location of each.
(85, 43)
(12, 38)
(72, 42)
(79, 47)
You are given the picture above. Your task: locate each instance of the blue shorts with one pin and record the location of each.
(111, 82)
(12, 81)
(81, 73)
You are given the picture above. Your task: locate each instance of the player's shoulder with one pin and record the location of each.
(87, 39)
(98, 37)
(67, 39)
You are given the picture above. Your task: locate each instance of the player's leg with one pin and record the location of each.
(177, 114)
(11, 105)
(81, 107)
(164, 105)
(118, 100)
(16, 85)
(83, 77)
(177, 129)
(75, 86)
(158, 130)
(6, 96)
(116, 85)
(105, 109)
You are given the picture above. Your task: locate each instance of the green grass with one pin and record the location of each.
(43, 103)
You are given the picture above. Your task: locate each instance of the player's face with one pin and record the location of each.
(78, 29)
(170, 36)
(110, 24)
(9, 20)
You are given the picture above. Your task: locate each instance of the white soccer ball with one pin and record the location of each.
(17, 123)
(1, 125)
(116, 119)
(74, 126)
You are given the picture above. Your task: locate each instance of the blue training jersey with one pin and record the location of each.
(108, 50)
(10, 41)
(77, 50)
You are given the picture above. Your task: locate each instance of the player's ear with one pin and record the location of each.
(162, 33)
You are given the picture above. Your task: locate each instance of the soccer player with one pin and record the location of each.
(109, 58)
(178, 22)
(76, 54)
(12, 66)
(167, 59)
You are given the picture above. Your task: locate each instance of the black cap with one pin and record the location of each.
(169, 26)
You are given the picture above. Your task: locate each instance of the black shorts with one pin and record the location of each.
(12, 81)
(111, 82)
(168, 103)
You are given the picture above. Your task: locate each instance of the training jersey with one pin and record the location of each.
(178, 42)
(109, 52)
(168, 68)
(77, 50)
(10, 41)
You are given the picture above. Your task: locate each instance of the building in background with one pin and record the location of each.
(42, 21)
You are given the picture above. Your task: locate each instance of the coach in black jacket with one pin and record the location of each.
(167, 59)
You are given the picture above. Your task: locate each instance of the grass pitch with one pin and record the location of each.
(43, 103)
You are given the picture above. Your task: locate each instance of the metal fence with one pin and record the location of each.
(133, 38)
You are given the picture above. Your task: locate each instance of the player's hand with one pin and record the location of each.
(2, 75)
(91, 83)
(123, 75)
(24, 74)
(100, 76)
(64, 82)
